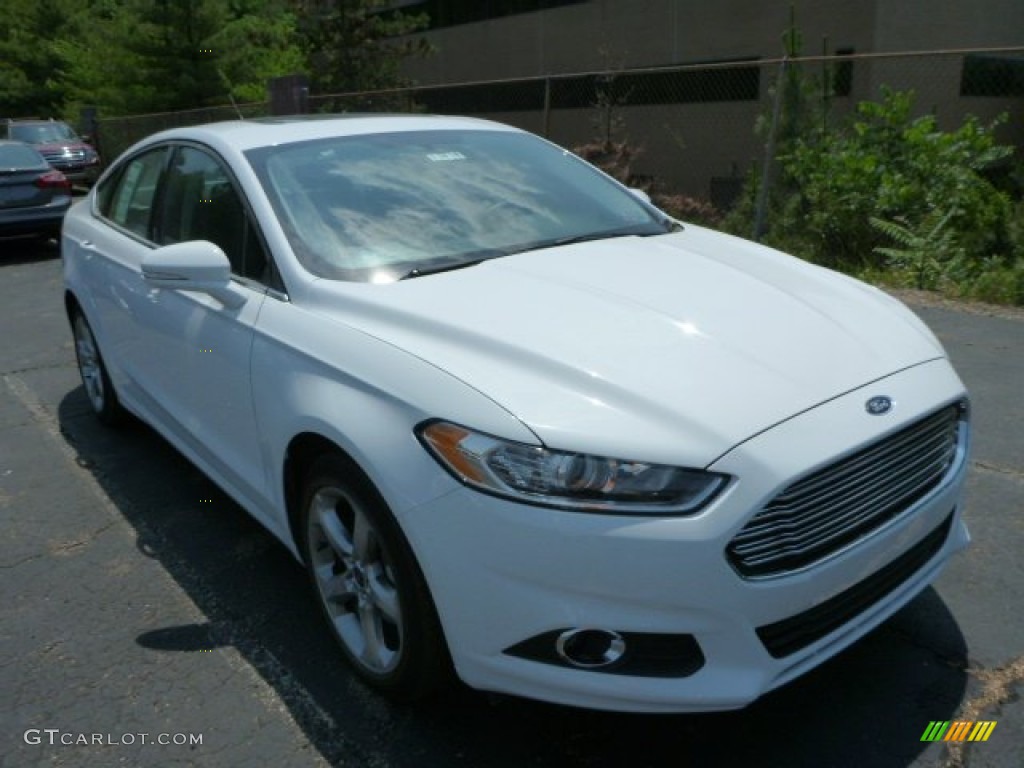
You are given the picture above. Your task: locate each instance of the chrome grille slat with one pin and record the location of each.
(810, 511)
(811, 541)
(839, 523)
(847, 500)
(938, 432)
(774, 511)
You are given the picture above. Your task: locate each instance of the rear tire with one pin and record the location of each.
(98, 388)
(368, 583)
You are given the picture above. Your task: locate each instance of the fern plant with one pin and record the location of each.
(929, 251)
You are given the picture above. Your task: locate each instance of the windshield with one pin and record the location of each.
(382, 206)
(45, 133)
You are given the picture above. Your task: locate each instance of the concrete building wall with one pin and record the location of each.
(689, 144)
(909, 25)
(638, 33)
(603, 34)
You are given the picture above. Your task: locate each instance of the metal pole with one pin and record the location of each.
(547, 108)
(769, 155)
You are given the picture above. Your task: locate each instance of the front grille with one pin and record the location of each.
(843, 502)
(790, 635)
(67, 156)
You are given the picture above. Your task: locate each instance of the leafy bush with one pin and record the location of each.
(999, 284)
(889, 167)
(613, 157)
(687, 208)
(616, 159)
(928, 253)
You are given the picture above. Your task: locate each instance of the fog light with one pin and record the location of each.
(638, 654)
(590, 648)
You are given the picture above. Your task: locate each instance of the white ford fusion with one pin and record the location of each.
(517, 424)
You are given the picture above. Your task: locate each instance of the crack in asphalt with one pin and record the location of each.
(997, 688)
(70, 546)
(39, 367)
(998, 469)
(950, 660)
(22, 561)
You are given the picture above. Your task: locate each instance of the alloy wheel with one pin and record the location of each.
(355, 580)
(89, 364)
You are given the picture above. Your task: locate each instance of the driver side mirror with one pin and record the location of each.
(197, 265)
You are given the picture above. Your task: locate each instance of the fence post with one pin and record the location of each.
(769, 155)
(547, 108)
(289, 95)
(89, 126)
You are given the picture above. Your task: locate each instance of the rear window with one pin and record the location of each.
(19, 156)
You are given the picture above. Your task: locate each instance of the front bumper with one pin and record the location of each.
(77, 171)
(503, 573)
(80, 174)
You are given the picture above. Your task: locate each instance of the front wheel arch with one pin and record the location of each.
(334, 485)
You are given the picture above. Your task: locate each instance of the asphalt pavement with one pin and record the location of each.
(145, 620)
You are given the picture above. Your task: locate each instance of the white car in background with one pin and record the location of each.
(518, 424)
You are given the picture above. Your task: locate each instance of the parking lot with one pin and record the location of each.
(140, 605)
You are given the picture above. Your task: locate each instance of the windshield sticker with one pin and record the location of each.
(444, 157)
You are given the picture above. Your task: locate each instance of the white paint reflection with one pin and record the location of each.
(690, 329)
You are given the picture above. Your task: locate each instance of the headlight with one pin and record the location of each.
(579, 481)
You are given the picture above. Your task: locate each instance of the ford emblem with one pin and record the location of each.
(876, 406)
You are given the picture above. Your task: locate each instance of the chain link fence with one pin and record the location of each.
(696, 130)
(114, 135)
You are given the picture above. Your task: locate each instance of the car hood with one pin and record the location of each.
(672, 348)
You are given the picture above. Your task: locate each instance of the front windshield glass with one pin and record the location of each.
(379, 207)
(45, 133)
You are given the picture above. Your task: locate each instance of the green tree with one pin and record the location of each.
(259, 41)
(28, 60)
(131, 56)
(357, 45)
(173, 41)
(135, 56)
(96, 65)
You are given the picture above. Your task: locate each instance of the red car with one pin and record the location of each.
(60, 145)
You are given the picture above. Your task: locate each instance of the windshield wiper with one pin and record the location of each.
(632, 231)
(474, 258)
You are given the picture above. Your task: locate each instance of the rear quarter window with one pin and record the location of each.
(127, 198)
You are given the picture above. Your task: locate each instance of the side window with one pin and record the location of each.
(200, 202)
(127, 199)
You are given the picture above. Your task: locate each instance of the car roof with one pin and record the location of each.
(15, 142)
(259, 132)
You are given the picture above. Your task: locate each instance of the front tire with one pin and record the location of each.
(93, 371)
(368, 583)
